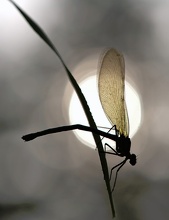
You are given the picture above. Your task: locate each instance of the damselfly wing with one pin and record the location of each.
(111, 85)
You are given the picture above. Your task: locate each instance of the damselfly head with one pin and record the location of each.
(133, 159)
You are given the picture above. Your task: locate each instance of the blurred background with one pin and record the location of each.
(57, 176)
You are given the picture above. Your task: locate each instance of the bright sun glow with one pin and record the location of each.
(90, 91)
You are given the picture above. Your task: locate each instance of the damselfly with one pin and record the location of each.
(111, 85)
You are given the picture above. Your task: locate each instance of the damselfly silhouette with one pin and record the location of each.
(111, 86)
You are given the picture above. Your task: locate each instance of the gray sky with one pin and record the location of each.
(58, 173)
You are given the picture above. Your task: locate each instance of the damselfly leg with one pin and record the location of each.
(119, 166)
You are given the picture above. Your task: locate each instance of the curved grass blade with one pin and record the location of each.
(82, 99)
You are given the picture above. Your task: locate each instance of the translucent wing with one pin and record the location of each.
(111, 90)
